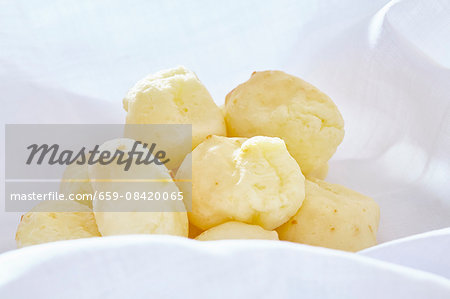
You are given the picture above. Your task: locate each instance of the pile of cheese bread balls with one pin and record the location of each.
(257, 168)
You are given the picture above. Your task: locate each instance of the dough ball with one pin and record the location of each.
(174, 96)
(46, 223)
(320, 172)
(273, 103)
(135, 217)
(75, 181)
(237, 230)
(253, 180)
(333, 216)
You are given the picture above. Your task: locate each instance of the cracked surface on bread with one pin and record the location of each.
(253, 180)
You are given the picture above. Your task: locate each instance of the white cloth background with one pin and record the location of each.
(385, 64)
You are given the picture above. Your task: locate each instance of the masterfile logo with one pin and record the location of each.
(130, 165)
(52, 155)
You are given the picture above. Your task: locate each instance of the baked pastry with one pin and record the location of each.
(253, 180)
(174, 96)
(333, 216)
(135, 216)
(273, 103)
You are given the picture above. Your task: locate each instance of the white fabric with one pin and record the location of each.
(172, 267)
(427, 252)
(385, 64)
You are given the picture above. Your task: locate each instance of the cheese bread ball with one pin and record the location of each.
(75, 180)
(320, 172)
(117, 217)
(333, 216)
(253, 180)
(273, 103)
(174, 96)
(237, 230)
(47, 223)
